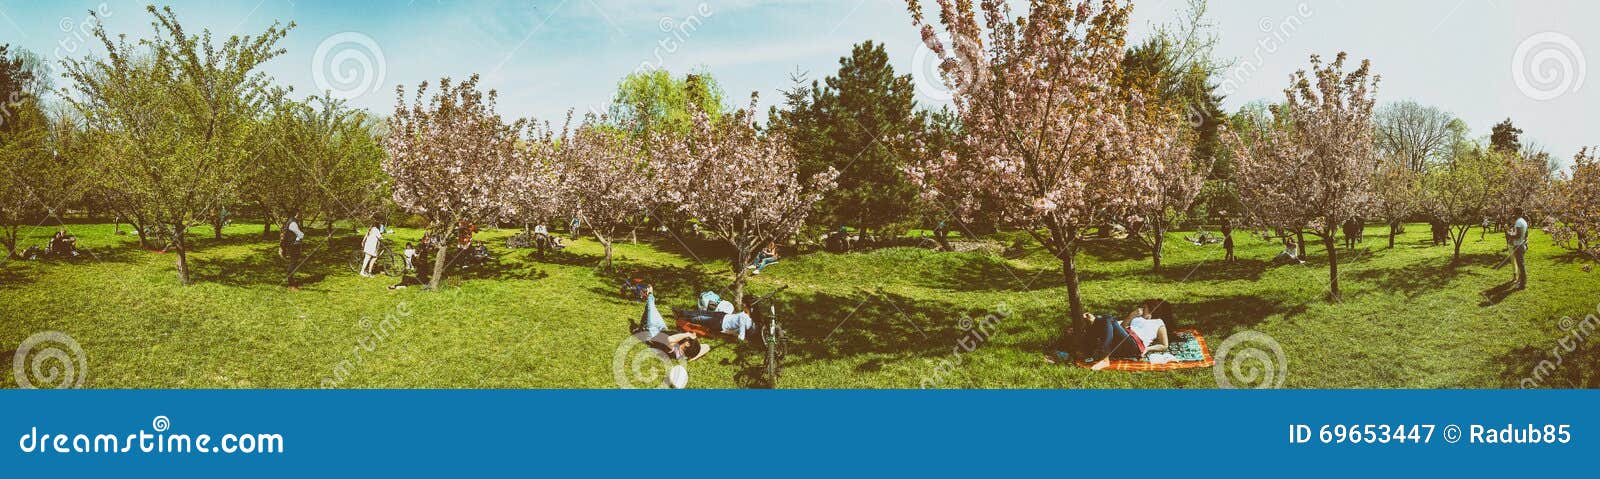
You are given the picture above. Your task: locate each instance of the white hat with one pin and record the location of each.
(678, 377)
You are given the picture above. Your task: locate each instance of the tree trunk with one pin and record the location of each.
(1459, 236)
(144, 239)
(1155, 253)
(741, 257)
(1069, 270)
(441, 256)
(266, 228)
(183, 255)
(216, 228)
(11, 241)
(1333, 266)
(604, 243)
(1394, 227)
(1300, 238)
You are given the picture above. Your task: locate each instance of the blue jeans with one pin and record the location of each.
(1115, 341)
(764, 261)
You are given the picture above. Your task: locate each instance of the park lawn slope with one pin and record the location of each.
(891, 318)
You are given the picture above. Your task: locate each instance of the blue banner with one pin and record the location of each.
(792, 433)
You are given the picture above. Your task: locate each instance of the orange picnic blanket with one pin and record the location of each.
(1141, 365)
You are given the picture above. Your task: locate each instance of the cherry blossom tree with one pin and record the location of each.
(1044, 121)
(1574, 207)
(536, 193)
(606, 180)
(452, 158)
(740, 185)
(1179, 177)
(1312, 171)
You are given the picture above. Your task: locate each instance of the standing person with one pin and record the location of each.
(573, 230)
(369, 246)
(1518, 235)
(289, 248)
(1227, 237)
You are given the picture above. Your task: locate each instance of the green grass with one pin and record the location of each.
(879, 319)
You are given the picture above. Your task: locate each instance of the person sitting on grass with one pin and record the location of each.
(1290, 253)
(767, 257)
(1133, 337)
(410, 254)
(63, 244)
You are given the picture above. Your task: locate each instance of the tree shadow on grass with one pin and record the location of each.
(13, 276)
(981, 272)
(262, 266)
(1112, 250)
(673, 284)
(1535, 367)
(825, 327)
(1416, 278)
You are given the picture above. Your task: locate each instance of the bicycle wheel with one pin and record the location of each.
(393, 265)
(355, 262)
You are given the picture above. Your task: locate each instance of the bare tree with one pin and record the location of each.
(1416, 134)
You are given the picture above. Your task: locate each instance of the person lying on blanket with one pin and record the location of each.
(1133, 337)
(722, 319)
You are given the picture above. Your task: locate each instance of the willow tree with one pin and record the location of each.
(451, 157)
(174, 112)
(1315, 168)
(1046, 124)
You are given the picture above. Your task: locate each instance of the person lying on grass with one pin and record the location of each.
(1133, 337)
(723, 319)
(684, 346)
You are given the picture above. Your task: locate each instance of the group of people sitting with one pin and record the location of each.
(61, 245)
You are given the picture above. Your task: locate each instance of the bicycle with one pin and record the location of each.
(771, 338)
(387, 263)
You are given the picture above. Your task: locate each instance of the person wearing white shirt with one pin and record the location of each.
(1518, 236)
(369, 246)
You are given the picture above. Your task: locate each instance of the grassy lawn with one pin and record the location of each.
(879, 319)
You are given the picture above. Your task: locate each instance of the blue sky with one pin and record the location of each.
(546, 56)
